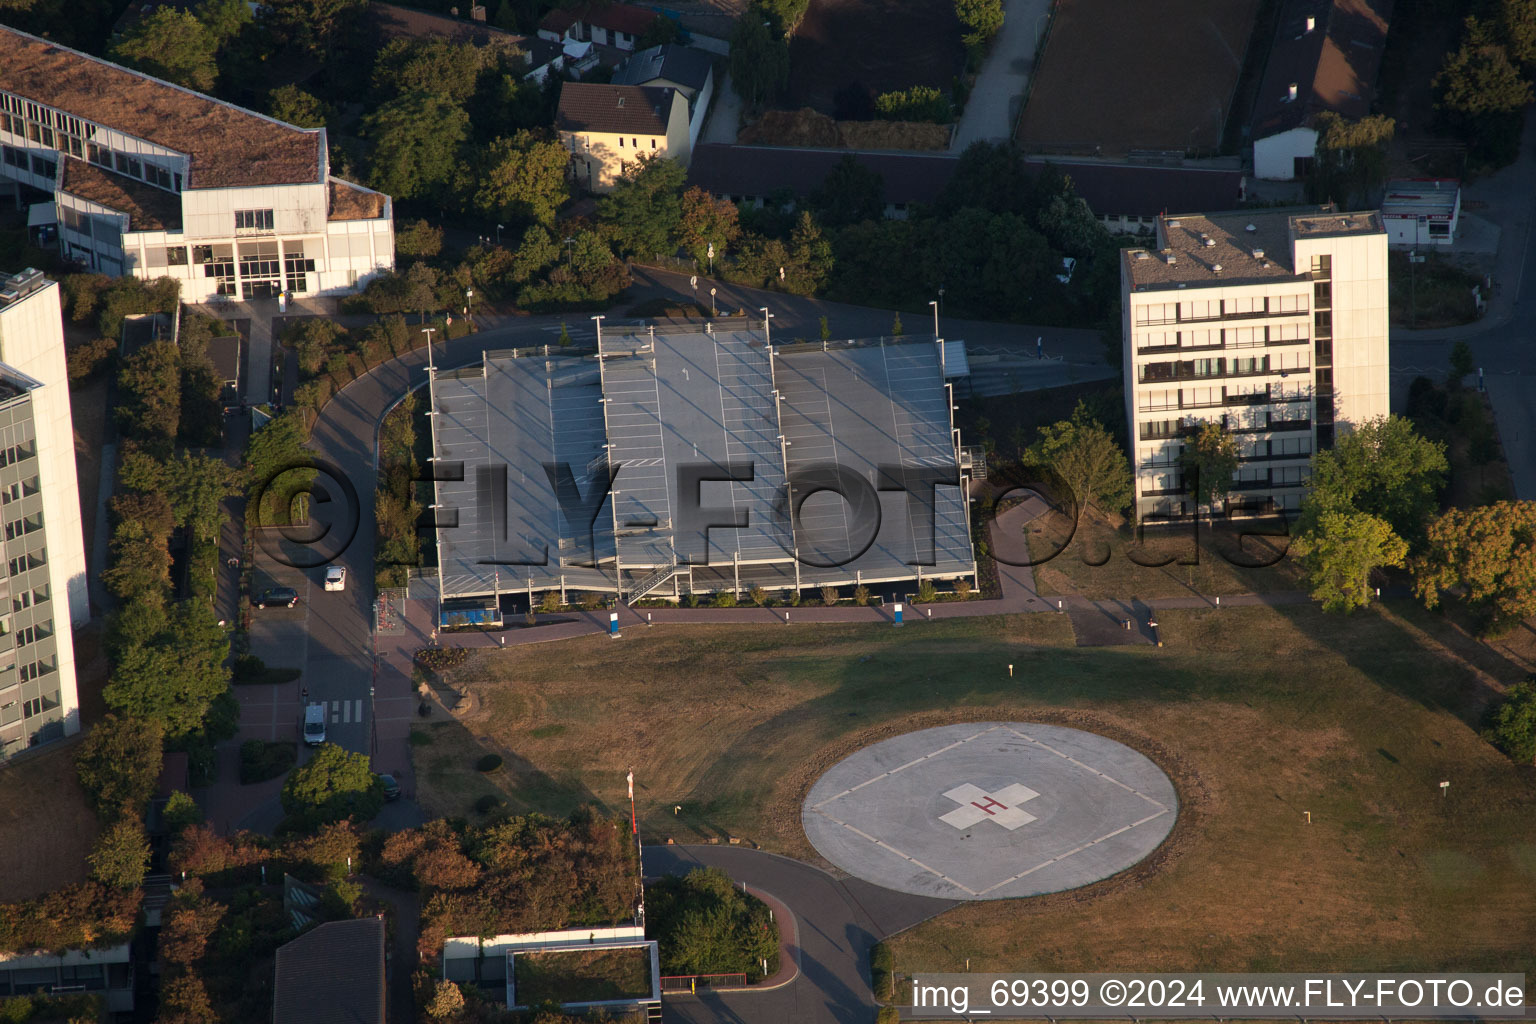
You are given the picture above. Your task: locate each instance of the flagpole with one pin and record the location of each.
(630, 778)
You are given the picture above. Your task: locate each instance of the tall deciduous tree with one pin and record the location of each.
(150, 411)
(1479, 78)
(171, 44)
(415, 143)
(120, 857)
(645, 208)
(522, 179)
(223, 19)
(1383, 467)
(1351, 157)
(982, 19)
(167, 665)
(1208, 460)
(140, 569)
(293, 105)
(1086, 458)
(1514, 722)
(759, 58)
(119, 764)
(195, 484)
(1340, 554)
(707, 222)
(314, 25)
(333, 784)
(1489, 553)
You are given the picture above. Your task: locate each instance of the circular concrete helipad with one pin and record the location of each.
(990, 810)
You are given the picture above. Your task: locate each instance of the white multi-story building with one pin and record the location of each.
(1272, 323)
(155, 180)
(42, 581)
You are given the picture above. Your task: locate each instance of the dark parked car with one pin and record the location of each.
(277, 597)
(391, 787)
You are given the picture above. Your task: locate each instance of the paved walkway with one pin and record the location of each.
(993, 107)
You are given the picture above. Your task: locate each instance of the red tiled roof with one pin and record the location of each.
(228, 146)
(613, 17)
(1334, 66)
(593, 107)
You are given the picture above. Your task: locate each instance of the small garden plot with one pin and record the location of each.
(582, 975)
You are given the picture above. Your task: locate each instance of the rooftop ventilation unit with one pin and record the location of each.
(1251, 228)
(1140, 254)
(1209, 241)
(1173, 223)
(1311, 23)
(1290, 93)
(1258, 254)
(1216, 268)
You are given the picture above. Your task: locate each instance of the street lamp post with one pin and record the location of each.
(428, 332)
(767, 334)
(712, 303)
(499, 228)
(570, 243)
(935, 304)
(469, 299)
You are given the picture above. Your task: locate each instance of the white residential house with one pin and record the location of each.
(1325, 57)
(688, 70)
(1271, 323)
(151, 179)
(620, 26)
(607, 127)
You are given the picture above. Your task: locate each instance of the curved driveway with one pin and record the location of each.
(839, 920)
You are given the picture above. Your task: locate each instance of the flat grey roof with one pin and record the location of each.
(659, 407)
(860, 407)
(686, 400)
(521, 414)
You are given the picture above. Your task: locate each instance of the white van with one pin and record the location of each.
(314, 724)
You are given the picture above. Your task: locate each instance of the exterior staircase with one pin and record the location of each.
(651, 582)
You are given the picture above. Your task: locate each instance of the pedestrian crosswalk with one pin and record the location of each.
(346, 711)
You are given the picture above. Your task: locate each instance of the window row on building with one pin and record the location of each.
(36, 163)
(1193, 310)
(1223, 337)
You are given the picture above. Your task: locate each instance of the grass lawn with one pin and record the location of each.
(1103, 561)
(582, 976)
(46, 825)
(1258, 714)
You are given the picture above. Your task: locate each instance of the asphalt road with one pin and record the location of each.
(1504, 341)
(839, 920)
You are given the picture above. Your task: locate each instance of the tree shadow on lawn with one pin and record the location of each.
(447, 764)
(1453, 672)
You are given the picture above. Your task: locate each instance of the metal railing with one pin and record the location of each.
(679, 983)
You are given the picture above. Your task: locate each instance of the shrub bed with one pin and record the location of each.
(441, 659)
(261, 760)
(705, 924)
